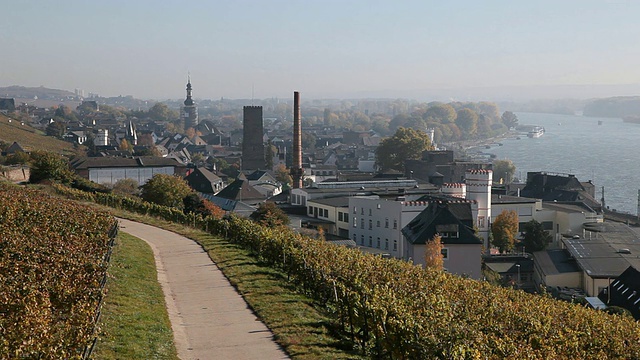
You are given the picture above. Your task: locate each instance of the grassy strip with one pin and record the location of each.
(134, 322)
(299, 327)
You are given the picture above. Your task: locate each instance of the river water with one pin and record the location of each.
(607, 154)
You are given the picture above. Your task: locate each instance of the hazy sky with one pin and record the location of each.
(327, 49)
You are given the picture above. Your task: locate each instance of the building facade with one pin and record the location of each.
(253, 154)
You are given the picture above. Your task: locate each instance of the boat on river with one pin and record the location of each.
(536, 132)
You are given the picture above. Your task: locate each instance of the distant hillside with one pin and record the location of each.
(620, 106)
(30, 138)
(41, 92)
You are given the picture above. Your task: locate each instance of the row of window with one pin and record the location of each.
(386, 242)
(343, 216)
(355, 210)
(314, 211)
(386, 223)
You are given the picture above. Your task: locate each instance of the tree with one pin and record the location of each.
(56, 129)
(161, 112)
(433, 254)
(405, 144)
(308, 141)
(504, 230)
(194, 204)
(535, 237)
(125, 145)
(49, 166)
(167, 190)
(503, 171)
(126, 187)
(442, 113)
(270, 152)
(467, 121)
(269, 214)
(509, 119)
(282, 174)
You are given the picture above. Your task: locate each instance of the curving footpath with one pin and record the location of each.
(210, 320)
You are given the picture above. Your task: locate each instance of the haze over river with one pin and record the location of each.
(606, 154)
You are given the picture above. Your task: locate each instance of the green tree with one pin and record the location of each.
(56, 129)
(504, 230)
(467, 121)
(442, 113)
(161, 112)
(126, 187)
(165, 190)
(405, 144)
(433, 254)
(49, 166)
(125, 145)
(269, 214)
(503, 171)
(270, 152)
(535, 237)
(509, 119)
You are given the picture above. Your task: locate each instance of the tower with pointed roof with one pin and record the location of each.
(189, 113)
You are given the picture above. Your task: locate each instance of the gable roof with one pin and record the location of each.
(439, 217)
(241, 190)
(624, 292)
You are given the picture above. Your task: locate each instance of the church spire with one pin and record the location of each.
(189, 100)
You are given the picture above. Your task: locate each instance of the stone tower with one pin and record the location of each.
(189, 113)
(478, 184)
(252, 139)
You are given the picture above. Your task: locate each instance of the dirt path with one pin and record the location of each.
(210, 320)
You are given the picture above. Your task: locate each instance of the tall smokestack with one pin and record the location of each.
(296, 169)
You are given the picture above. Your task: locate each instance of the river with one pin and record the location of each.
(605, 154)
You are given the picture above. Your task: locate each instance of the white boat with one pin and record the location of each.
(536, 132)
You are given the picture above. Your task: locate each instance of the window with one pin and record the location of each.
(369, 212)
(355, 209)
(378, 244)
(361, 223)
(340, 216)
(378, 206)
(386, 244)
(386, 223)
(310, 210)
(378, 223)
(326, 213)
(395, 223)
(354, 237)
(480, 222)
(370, 224)
(346, 217)
(395, 245)
(524, 211)
(355, 222)
(361, 211)
(362, 240)
(445, 253)
(370, 241)
(547, 225)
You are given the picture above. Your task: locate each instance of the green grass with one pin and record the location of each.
(134, 323)
(299, 325)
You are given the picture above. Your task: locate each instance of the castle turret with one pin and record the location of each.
(478, 184)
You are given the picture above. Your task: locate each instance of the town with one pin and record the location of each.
(330, 182)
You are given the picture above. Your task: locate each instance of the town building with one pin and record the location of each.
(108, 170)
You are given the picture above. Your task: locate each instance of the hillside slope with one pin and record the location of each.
(32, 139)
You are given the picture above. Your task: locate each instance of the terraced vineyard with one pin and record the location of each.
(30, 138)
(53, 262)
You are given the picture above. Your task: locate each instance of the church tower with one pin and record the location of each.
(189, 113)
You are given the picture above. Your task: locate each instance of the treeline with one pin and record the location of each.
(621, 106)
(53, 262)
(393, 309)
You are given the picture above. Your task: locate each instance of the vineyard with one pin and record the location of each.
(393, 309)
(53, 262)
